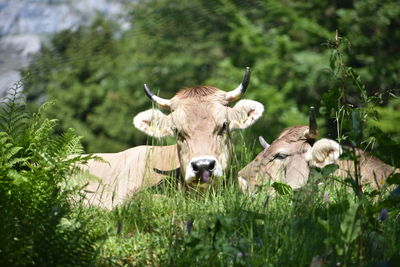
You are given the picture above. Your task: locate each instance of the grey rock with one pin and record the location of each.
(25, 24)
(21, 45)
(8, 80)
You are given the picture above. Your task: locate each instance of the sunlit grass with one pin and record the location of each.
(170, 226)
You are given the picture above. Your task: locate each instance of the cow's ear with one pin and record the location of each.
(324, 152)
(154, 123)
(245, 113)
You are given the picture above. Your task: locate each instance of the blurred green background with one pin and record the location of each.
(95, 74)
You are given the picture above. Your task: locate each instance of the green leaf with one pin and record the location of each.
(329, 169)
(324, 224)
(315, 175)
(14, 161)
(353, 184)
(16, 177)
(350, 227)
(282, 188)
(394, 179)
(11, 152)
(332, 60)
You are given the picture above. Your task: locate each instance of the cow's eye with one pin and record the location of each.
(281, 155)
(175, 131)
(223, 128)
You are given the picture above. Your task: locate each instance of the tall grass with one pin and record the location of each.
(224, 227)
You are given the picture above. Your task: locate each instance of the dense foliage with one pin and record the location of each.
(96, 74)
(37, 223)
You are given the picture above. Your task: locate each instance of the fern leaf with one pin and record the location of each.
(3, 138)
(41, 136)
(69, 143)
(16, 177)
(11, 152)
(13, 115)
(13, 162)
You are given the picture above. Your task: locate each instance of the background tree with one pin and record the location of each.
(95, 74)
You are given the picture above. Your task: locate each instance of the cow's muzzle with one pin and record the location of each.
(202, 170)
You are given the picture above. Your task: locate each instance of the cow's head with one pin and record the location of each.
(202, 122)
(289, 158)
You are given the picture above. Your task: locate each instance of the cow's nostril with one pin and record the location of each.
(195, 167)
(211, 165)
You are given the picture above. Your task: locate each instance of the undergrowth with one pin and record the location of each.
(38, 224)
(224, 227)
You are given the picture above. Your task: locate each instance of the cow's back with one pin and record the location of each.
(122, 174)
(373, 171)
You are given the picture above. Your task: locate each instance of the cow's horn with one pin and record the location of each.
(263, 143)
(162, 102)
(239, 91)
(312, 127)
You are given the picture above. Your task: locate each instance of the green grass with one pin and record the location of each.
(229, 228)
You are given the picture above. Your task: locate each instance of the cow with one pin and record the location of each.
(202, 121)
(114, 177)
(291, 156)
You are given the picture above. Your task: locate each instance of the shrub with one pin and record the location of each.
(37, 223)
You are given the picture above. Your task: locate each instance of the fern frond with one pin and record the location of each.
(3, 138)
(9, 153)
(41, 134)
(43, 108)
(16, 177)
(13, 115)
(13, 162)
(69, 143)
(95, 158)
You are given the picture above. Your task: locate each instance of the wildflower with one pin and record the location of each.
(240, 255)
(54, 212)
(189, 226)
(326, 197)
(119, 227)
(266, 202)
(396, 192)
(383, 214)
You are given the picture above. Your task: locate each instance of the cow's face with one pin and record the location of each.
(202, 122)
(289, 158)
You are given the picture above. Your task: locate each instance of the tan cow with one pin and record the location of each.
(119, 175)
(289, 159)
(202, 121)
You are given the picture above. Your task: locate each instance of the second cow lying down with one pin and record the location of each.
(290, 157)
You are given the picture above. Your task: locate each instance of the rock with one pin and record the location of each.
(22, 45)
(8, 80)
(24, 24)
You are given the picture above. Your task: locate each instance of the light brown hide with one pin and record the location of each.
(199, 115)
(126, 173)
(373, 171)
(295, 168)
